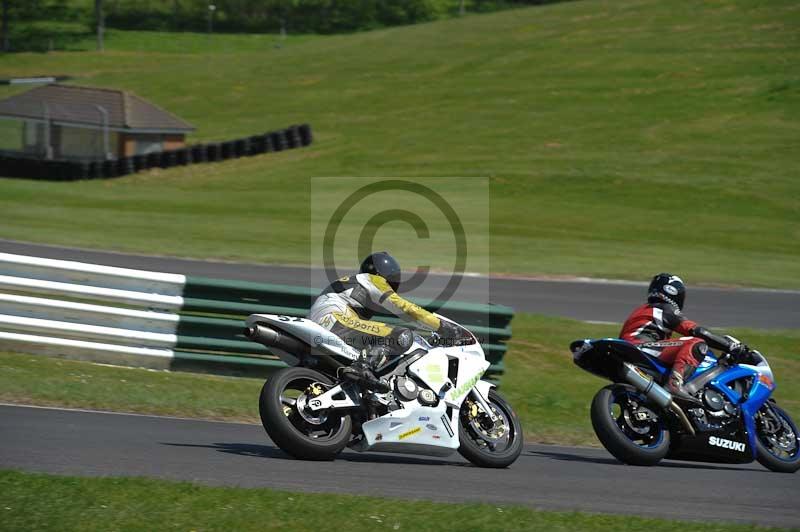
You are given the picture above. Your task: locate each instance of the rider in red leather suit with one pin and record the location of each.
(651, 325)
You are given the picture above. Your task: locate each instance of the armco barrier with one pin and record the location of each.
(135, 317)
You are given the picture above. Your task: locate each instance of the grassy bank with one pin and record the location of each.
(550, 394)
(614, 134)
(44, 502)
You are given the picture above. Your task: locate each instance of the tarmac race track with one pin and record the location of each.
(546, 477)
(589, 300)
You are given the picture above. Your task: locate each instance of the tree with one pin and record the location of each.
(4, 28)
(101, 23)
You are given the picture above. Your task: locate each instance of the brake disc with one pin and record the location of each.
(490, 434)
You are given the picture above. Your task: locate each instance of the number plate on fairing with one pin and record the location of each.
(432, 370)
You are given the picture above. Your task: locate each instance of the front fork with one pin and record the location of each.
(483, 403)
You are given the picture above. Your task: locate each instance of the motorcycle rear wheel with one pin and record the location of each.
(769, 451)
(477, 444)
(301, 435)
(619, 432)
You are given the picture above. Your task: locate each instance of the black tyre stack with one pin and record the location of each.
(295, 136)
(81, 170)
(95, 170)
(213, 152)
(125, 166)
(278, 140)
(241, 147)
(198, 153)
(154, 159)
(53, 170)
(257, 144)
(292, 136)
(109, 168)
(183, 156)
(168, 159)
(305, 134)
(227, 150)
(139, 162)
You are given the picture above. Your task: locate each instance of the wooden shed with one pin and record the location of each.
(86, 123)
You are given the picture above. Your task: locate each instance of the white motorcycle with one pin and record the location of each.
(428, 398)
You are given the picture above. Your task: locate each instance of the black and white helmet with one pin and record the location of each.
(667, 287)
(383, 264)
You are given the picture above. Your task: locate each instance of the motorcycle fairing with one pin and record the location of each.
(470, 370)
(603, 357)
(742, 431)
(432, 370)
(419, 430)
(709, 362)
(721, 379)
(321, 340)
(424, 429)
(752, 400)
(699, 447)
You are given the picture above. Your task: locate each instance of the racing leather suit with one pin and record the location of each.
(650, 327)
(347, 305)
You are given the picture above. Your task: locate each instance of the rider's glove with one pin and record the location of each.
(447, 330)
(739, 351)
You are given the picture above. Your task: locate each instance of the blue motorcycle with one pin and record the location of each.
(734, 421)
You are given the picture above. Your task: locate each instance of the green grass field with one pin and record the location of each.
(550, 394)
(620, 138)
(45, 502)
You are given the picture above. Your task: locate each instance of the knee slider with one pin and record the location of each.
(699, 351)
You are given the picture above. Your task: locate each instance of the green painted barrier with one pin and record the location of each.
(213, 313)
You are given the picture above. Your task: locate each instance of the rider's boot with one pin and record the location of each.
(378, 355)
(363, 375)
(675, 387)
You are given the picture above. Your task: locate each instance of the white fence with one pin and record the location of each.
(89, 312)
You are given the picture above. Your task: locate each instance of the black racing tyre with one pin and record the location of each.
(619, 435)
(482, 447)
(778, 451)
(286, 426)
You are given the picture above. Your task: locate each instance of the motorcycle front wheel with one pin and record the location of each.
(777, 440)
(488, 444)
(299, 432)
(627, 428)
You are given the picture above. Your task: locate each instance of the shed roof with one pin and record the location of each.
(71, 104)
